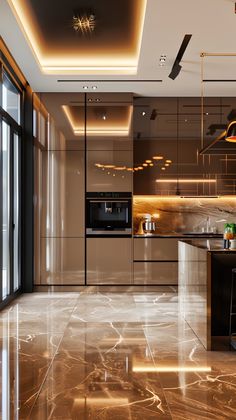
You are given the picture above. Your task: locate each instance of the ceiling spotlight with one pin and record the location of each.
(83, 23)
(167, 164)
(85, 87)
(90, 100)
(97, 100)
(168, 161)
(94, 87)
(143, 113)
(145, 164)
(148, 161)
(157, 157)
(104, 117)
(162, 60)
(151, 164)
(163, 168)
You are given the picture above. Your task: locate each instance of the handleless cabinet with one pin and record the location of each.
(156, 249)
(109, 170)
(109, 261)
(156, 261)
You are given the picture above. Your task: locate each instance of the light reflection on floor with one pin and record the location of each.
(107, 354)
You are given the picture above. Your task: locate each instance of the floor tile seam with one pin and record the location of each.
(154, 364)
(49, 367)
(45, 378)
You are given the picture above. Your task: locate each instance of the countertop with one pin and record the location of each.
(210, 245)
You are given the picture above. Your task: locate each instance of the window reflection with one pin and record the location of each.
(9, 368)
(10, 99)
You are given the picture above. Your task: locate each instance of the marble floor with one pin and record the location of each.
(109, 354)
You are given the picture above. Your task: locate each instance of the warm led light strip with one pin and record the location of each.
(123, 132)
(102, 401)
(102, 132)
(186, 181)
(171, 369)
(90, 69)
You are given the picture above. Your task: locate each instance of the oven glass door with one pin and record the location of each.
(108, 214)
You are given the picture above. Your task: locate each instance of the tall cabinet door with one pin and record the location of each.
(62, 230)
(109, 142)
(109, 261)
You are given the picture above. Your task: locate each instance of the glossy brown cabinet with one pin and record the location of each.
(155, 249)
(109, 261)
(109, 171)
(156, 273)
(62, 261)
(156, 261)
(172, 129)
(63, 194)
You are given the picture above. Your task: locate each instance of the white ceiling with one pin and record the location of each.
(211, 22)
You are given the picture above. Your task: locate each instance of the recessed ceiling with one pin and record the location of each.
(113, 46)
(101, 120)
(165, 24)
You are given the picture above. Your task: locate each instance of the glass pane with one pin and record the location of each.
(6, 210)
(16, 213)
(10, 99)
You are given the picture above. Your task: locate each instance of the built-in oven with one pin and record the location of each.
(109, 213)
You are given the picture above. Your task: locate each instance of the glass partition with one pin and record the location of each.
(10, 188)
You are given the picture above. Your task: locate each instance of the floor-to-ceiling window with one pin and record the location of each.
(10, 187)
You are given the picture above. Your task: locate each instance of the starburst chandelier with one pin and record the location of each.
(84, 23)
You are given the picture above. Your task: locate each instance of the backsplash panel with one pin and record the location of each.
(181, 215)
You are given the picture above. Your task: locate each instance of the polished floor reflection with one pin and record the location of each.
(109, 354)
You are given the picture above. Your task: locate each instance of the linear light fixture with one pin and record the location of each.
(176, 368)
(186, 181)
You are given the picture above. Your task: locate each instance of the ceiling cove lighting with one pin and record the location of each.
(231, 132)
(122, 130)
(186, 181)
(99, 62)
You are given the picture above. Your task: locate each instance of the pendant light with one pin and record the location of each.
(231, 132)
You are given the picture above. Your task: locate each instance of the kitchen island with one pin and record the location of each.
(204, 280)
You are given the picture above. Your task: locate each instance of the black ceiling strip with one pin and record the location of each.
(176, 66)
(109, 81)
(219, 80)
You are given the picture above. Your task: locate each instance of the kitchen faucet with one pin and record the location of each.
(208, 224)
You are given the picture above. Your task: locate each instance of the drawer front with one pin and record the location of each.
(155, 249)
(109, 261)
(156, 273)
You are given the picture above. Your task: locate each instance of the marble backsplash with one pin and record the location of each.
(181, 215)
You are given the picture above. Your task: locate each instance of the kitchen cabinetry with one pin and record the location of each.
(109, 171)
(109, 261)
(171, 128)
(156, 261)
(109, 143)
(62, 261)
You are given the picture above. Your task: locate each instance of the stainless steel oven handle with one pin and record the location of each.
(107, 201)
